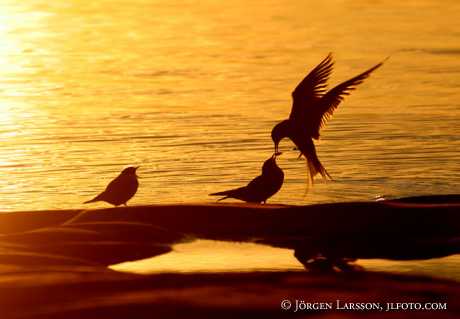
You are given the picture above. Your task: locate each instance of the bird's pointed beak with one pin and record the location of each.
(276, 154)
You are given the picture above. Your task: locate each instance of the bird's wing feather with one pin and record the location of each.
(117, 188)
(331, 100)
(229, 192)
(252, 188)
(256, 184)
(114, 184)
(310, 89)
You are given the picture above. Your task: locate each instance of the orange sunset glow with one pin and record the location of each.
(326, 133)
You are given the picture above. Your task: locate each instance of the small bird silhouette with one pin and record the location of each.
(120, 190)
(260, 188)
(312, 107)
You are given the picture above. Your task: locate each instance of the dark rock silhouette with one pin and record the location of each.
(321, 236)
(312, 107)
(120, 190)
(260, 188)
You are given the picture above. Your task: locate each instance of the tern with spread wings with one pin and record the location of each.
(312, 107)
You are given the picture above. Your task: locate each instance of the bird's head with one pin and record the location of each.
(280, 131)
(130, 171)
(270, 163)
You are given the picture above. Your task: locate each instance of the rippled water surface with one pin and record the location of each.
(190, 93)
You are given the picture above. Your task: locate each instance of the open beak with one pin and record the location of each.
(277, 151)
(276, 154)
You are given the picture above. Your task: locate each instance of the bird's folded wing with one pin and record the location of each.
(256, 185)
(310, 89)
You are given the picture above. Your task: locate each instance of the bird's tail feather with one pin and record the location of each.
(314, 166)
(219, 194)
(233, 193)
(225, 194)
(95, 199)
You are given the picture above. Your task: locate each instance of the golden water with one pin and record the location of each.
(218, 256)
(190, 91)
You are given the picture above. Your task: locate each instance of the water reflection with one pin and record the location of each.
(207, 255)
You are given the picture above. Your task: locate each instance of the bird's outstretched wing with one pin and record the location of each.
(331, 100)
(310, 89)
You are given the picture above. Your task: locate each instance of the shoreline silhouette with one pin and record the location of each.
(66, 254)
(284, 226)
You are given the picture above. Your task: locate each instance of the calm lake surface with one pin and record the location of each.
(191, 91)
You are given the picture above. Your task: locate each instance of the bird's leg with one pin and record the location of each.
(297, 149)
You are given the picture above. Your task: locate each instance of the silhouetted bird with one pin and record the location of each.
(312, 107)
(120, 190)
(260, 188)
